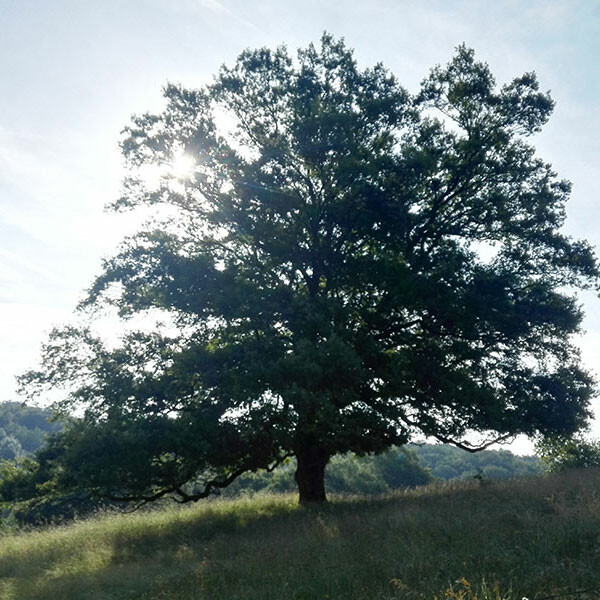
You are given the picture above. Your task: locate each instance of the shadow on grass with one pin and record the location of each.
(114, 552)
(526, 531)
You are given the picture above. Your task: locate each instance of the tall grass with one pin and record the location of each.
(467, 541)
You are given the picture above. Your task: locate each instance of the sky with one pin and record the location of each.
(72, 72)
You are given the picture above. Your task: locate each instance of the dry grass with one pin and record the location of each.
(501, 541)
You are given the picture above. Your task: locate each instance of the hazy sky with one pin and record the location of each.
(73, 71)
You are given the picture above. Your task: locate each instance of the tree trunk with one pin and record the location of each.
(310, 474)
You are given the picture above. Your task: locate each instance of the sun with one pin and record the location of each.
(174, 172)
(182, 166)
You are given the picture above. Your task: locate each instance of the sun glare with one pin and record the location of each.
(182, 166)
(177, 171)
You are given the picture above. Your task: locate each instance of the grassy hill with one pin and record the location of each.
(463, 541)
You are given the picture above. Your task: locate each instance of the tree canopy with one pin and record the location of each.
(560, 453)
(339, 265)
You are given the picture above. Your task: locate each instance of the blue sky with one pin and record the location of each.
(73, 71)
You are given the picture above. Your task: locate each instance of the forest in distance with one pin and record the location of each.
(23, 429)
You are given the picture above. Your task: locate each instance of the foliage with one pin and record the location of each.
(34, 497)
(446, 462)
(25, 490)
(533, 538)
(576, 452)
(23, 429)
(346, 474)
(346, 266)
(38, 489)
(409, 466)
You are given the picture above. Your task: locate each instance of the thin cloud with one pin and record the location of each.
(24, 263)
(213, 6)
(216, 7)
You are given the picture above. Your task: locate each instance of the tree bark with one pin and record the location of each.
(310, 474)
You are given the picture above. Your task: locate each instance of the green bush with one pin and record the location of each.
(559, 454)
(345, 474)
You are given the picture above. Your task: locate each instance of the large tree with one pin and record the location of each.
(341, 266)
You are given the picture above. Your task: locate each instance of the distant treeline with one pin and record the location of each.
(409, 466)
(448, 462)
(23, 429)
(345, 473)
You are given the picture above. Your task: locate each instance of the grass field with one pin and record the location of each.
(537, 538)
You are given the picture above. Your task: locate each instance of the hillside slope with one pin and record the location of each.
(462, 541)
(23, 429)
